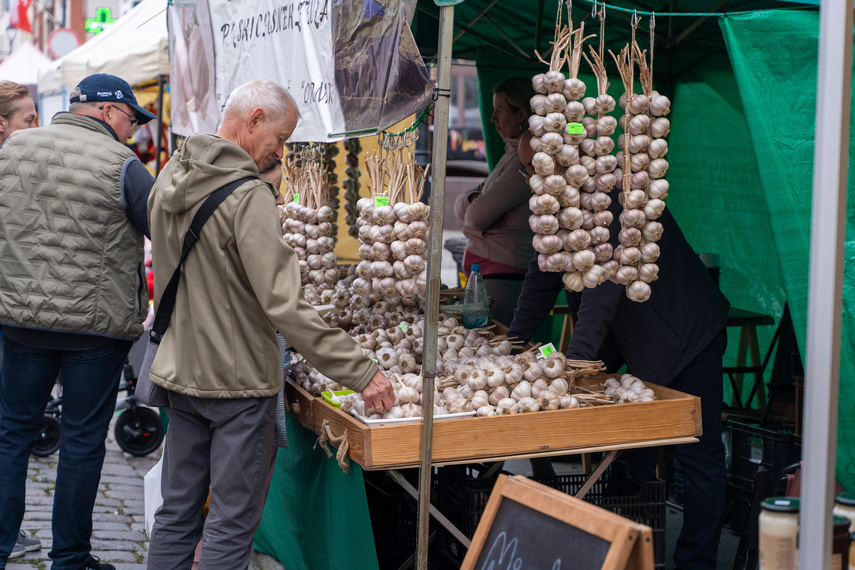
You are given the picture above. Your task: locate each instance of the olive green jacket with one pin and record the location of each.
(240, 284)
(70, 259)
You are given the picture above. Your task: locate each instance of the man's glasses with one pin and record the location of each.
(523, 172)
(133, 119)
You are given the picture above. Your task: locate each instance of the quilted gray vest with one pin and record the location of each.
(70, 260)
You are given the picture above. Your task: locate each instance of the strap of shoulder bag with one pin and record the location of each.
(167, 300)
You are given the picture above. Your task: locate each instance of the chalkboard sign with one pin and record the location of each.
(528, 525)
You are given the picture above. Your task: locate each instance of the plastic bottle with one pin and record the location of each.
(476, 311)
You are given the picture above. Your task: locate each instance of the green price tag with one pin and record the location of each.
(381, 201)
(374, 359)
(403, 326)
(546, 350)
(575, 129)
(297, 198)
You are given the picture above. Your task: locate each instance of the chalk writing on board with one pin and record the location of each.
(286, 17)
(503, 551)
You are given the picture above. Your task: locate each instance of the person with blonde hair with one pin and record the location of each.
(16, 109)
(495, 214)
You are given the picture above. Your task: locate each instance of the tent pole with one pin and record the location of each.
(828, 230)
(437, 199)
(159, 146)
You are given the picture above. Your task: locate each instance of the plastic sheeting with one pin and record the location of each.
(774, 56)
(316, 516)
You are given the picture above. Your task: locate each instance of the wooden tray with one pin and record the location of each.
(673, 416)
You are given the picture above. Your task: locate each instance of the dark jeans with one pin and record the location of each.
(90, 382)
(704, 470)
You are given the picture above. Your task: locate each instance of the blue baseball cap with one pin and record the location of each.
(102, 87)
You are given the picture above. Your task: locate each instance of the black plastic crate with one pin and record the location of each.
(772, 445)
(462, 499)
(394, 519)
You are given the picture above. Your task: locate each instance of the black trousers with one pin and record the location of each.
(704, 469)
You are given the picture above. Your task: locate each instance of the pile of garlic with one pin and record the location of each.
(628, 389)
(641, 177)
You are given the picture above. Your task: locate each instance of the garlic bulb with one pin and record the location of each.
(638, 291)
(499, 394)
(507, 406)
(485, 411)
(528, 405)
(521, 390)
(479, 399)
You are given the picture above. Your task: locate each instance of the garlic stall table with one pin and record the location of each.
(672, 418)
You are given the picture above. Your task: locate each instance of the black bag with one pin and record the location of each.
(147, 392)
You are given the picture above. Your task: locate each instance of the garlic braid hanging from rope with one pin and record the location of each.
(411, 228)
(308, 225)
(351, 185)
(392, 231)
(639, 174)
(555, 203)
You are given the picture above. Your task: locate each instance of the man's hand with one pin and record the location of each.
(379, 394)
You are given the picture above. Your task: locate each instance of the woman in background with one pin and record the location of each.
(16, 109)
(495, 214)
(16, 112)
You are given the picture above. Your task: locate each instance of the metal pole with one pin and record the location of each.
(437, 199)
(159, 146)
(828, 229)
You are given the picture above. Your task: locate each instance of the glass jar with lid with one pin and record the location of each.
(844, 506)
(779, 533)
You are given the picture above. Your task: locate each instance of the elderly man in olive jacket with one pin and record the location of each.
(219, 358)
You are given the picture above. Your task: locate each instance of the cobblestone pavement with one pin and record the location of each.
(118, 535)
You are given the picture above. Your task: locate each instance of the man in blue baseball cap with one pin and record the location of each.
(73, 298)
(111, 95)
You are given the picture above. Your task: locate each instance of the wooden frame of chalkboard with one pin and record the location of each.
(529, 525)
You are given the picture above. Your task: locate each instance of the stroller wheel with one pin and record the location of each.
(47, 442)
(138, 431)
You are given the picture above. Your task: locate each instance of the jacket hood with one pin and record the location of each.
(204, 164)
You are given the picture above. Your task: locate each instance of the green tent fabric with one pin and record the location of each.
(774, 56)
(316, 516)
(716, 195)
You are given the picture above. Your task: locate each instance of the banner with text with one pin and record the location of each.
(350, 64)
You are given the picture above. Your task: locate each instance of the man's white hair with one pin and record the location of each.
(271, 97)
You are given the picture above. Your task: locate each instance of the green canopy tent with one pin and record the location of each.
(744, 93)
(741, 142)
(743, 89)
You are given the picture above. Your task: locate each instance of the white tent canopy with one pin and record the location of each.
(23, 65)
(135, 48)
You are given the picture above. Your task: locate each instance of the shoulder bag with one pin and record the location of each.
(147, 392)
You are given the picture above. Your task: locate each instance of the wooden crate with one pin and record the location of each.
(673, 415)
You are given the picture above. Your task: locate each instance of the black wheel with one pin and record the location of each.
(47, 442)
(138, 432)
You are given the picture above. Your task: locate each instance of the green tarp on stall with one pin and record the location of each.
(774, 56)
(316, 516)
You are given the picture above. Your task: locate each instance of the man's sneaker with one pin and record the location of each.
(29, 543)
(96, 564)
(17, 552)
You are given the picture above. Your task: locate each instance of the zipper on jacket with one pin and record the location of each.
(141, 286)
